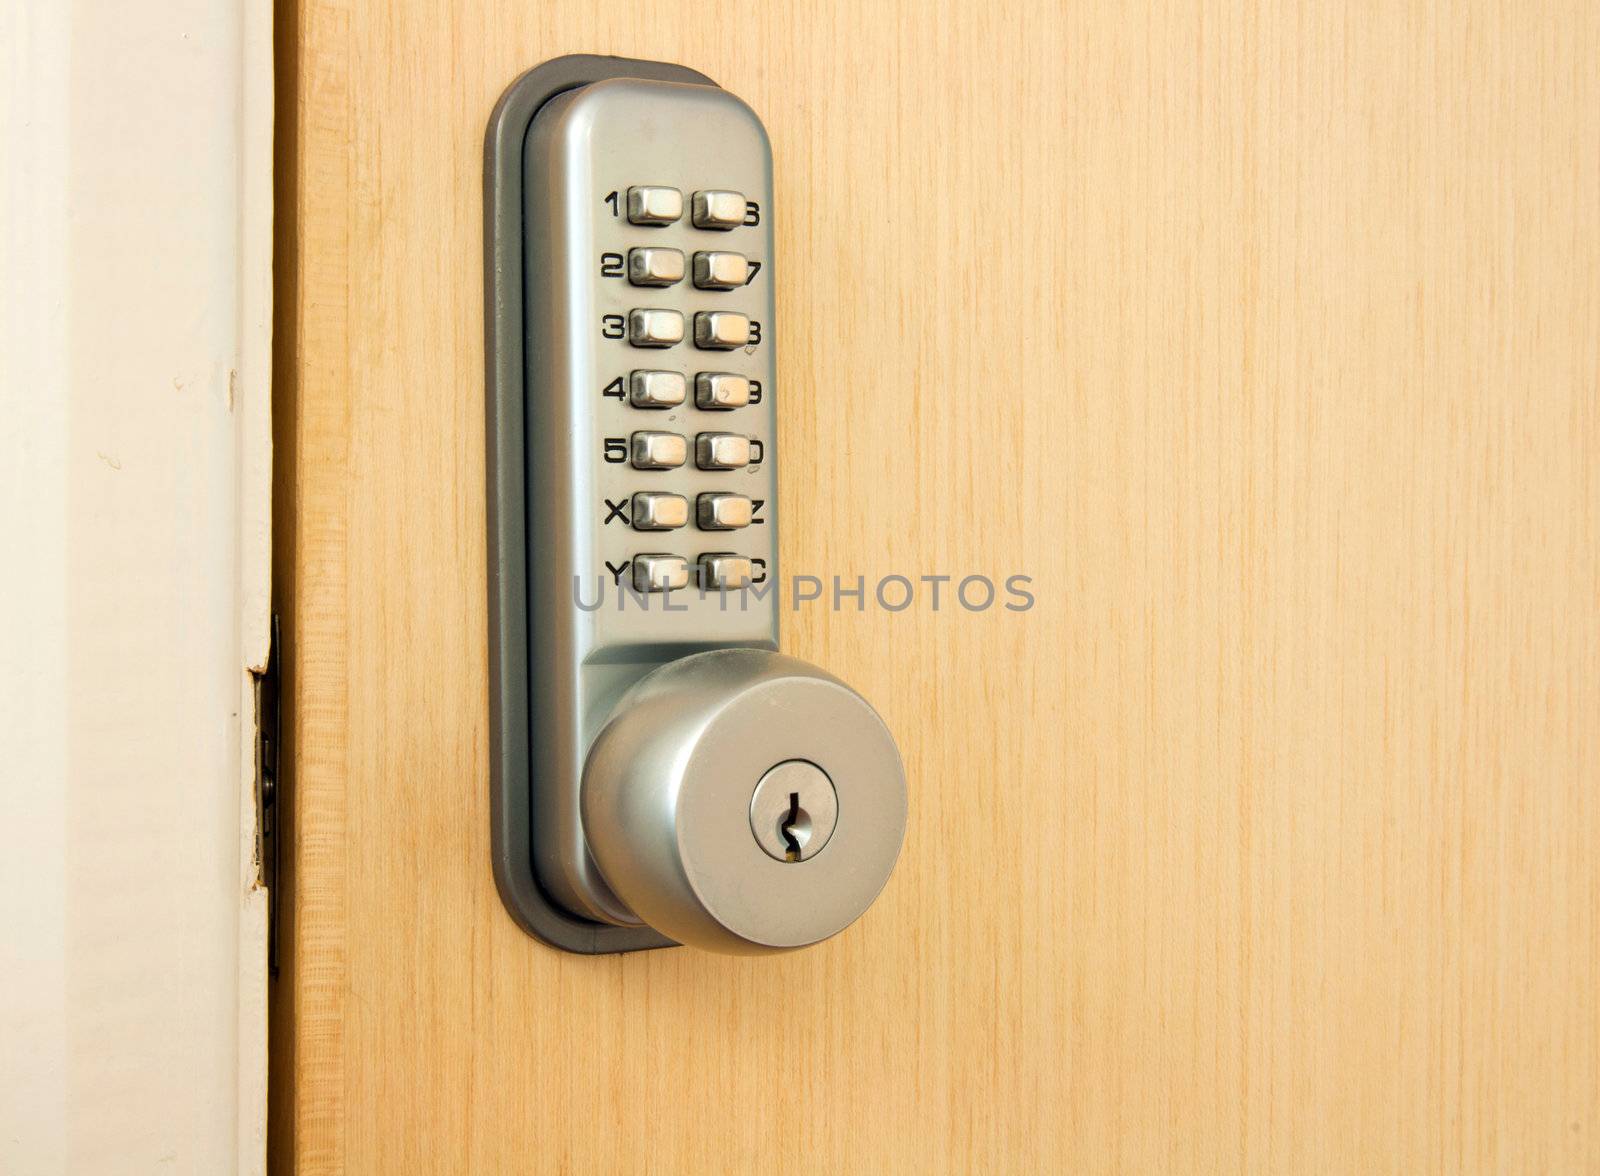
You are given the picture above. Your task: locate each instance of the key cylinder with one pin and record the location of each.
(793, 811)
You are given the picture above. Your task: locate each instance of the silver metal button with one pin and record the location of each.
(720, 271)
(658, 451)
(656, 389)
(721, 451)
(655, 328)
(723, 569)
(654, 206)
(720, 330)
(718, 210)
(655, 267)
(716, 390)
(655, 572)
(655, 511)
(723, 512)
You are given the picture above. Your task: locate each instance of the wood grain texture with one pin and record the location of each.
(1266, 338)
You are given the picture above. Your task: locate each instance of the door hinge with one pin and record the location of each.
(269, 730)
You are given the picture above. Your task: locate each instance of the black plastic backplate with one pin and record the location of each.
(510, 801)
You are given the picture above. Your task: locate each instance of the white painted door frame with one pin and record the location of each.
(135, 461)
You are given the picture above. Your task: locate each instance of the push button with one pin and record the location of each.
(720, 569)
(656, 389)
(655, 511)
(719, 330)
(718, 210)
(723, 512)
(659, 573)
(655, 267)
(721, 451)
(658, 451)
(718, 390)
(654, 206)
(655, 328)
(720, 271)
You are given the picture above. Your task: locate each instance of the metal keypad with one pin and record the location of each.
(721, 324)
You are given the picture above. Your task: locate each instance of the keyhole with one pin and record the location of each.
(795, 829)
(793, 811)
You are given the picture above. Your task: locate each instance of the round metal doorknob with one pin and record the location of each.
(744, 801)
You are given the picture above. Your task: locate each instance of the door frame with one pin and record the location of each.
(135, 391)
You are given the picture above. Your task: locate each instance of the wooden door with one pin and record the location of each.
(1263, 337)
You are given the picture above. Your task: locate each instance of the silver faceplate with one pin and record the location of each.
(583, 146)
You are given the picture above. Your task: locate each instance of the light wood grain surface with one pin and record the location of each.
(1266, 338)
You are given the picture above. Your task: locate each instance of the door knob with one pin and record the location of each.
(741, 800)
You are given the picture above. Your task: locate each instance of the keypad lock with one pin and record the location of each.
(661, 772)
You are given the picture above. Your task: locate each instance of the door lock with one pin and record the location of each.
(661, 772)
